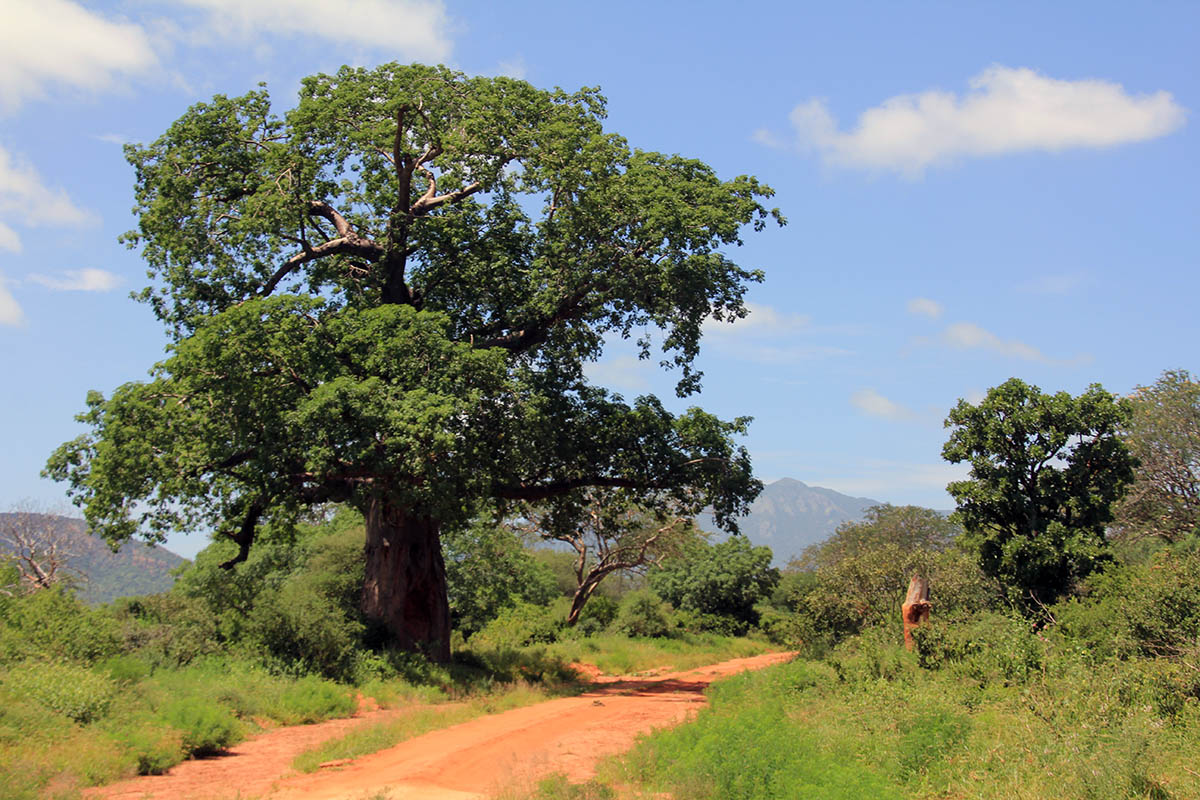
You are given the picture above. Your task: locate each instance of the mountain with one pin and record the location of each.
(790, 515)
(135, 569)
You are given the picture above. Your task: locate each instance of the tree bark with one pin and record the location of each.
(404, 591)
(582, 595)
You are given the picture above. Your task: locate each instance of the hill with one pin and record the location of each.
(135, 569)
(790, 515)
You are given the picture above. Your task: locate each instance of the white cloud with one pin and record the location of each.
(925, 307)
(79, 280)
(1006, 110)
(513, 68)
(60, 42)
(969, 336)
(27, 201)
(9, 240)
(10, 311)
(874, 404)
(761, 321)
(413, 29)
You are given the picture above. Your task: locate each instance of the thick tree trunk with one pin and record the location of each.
(404, 591)
(582, 594)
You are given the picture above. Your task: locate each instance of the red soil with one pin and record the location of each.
(568, 735)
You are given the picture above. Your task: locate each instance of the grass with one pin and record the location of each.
(871, 723)
(621, 655)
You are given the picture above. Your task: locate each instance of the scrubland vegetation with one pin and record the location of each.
(91, 695)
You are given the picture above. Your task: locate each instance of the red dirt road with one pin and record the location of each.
(471, 760)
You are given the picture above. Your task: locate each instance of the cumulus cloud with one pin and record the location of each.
(10, 310)
(417, 29)
(26, 200)
(925, 307)
(79, 280)
(874, 404)
(1006, 110)
(47, 42)
(627, 373)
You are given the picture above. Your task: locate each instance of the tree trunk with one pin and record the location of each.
(404, 590)
(916, 607)
(582, 594)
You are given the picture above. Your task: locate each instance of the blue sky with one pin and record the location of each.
(974, 192)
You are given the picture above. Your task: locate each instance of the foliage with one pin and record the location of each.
(205, 729)
(1163, 434)
(1045, 472)
(386, 295)
(75, 692)
(487, 570)
(642, 613)
(725, 580)
(610, 534)
(54, 624)
(860, 574)
(520, 625)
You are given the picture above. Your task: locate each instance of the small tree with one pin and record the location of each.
(722, 580)
(1045, 473)
(1164, 435)
(40, 548)
(610, 533)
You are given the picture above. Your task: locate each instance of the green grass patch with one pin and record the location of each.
(622, 655)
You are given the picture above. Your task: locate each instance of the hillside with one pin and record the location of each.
(790, 515)
(135, 569)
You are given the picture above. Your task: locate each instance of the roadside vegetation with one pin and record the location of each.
(1067, 668)
(91, 695)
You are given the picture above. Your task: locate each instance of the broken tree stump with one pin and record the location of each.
(916, 607)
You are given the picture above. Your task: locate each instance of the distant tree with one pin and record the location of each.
(866, 565)
(610, 533)
(40, 549)
(723, 580)
(1164, 435)
(1045, 473)
(386, 297)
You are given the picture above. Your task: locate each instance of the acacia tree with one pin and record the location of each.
(385, 297)
(610, 533)
(1045, 473)
(1164, 435)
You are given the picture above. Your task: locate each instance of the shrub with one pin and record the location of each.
(205, 728)
(312, 700)
(643, 613)
(53, 624)
(990, 648)
(73, 691)
(520, 625)
(152, 747)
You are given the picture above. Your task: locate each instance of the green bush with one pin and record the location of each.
(67, 689)
(53, 624)
(205, 728)
(521, 625)
(153, 748)
(643, 613)
(311, 699)
(989, 648)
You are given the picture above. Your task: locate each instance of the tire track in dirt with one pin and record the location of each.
(470, 760)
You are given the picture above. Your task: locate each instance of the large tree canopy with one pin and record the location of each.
(386, 296)
(1046, 470)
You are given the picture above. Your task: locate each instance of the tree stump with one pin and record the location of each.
(916, 607)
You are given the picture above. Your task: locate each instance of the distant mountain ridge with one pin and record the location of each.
(790, 515)
(135, 569)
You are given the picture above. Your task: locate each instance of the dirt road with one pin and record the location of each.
(471, 760)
